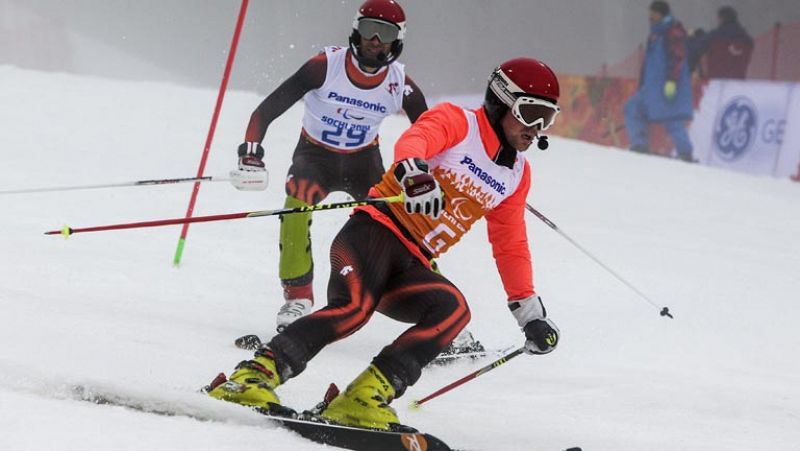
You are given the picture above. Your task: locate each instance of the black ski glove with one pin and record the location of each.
(541, 334)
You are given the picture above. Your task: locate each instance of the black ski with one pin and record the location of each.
(357, 439)
(365, 439)
(305, 424)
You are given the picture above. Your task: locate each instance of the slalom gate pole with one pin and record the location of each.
(119, 185)
(469, 377)
(66, 231)
(663, 311)
(211, 128)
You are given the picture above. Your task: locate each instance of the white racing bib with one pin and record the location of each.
(345, 117)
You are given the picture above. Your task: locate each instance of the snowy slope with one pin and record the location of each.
(109, 311)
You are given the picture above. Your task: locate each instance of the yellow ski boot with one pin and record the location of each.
(365, 403)
(252, 384)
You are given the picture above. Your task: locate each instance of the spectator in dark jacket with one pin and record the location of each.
(665, 92)
(727, 48)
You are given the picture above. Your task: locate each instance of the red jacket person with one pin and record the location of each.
(453, 167)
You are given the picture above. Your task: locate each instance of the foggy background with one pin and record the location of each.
(450, 48)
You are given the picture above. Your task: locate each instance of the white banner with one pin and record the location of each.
(749, 125)
(743, 126)
(789, 160)
(702, 128)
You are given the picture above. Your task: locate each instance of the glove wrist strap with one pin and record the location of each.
(408, 167)
(528, 309)
(251, 149)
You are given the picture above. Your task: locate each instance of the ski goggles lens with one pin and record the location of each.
(532, 111)
(385, 31)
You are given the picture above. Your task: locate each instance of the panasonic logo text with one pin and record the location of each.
(378, 107)
(496, 185)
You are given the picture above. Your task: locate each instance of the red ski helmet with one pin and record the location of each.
(527, 87)
(384, 19)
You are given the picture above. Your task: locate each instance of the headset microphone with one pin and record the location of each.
(542, 143)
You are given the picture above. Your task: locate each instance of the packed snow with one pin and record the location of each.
(109, 312)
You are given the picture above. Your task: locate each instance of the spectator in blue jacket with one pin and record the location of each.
(665, 91)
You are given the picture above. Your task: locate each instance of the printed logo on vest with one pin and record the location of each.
(484, 176)
(347, 114)
(460, 209)
(360, 103)
(735, 129)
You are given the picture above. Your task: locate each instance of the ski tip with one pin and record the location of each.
(248, 342)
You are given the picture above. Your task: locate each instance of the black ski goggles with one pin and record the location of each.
(385, 31)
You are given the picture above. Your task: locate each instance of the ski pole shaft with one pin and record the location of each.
(119, 185)
(663, 311)
(469, 377)
(67, 231)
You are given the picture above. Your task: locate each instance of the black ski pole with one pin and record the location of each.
(118, 185)
(663, 311)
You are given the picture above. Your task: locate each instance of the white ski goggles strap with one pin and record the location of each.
(533, 111)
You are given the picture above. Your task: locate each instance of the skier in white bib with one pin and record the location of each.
(347, 92)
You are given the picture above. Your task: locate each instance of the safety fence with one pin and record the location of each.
(592, 111)
(738, 124)
(754, 111)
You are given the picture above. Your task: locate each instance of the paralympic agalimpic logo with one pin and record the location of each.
(735, 128)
